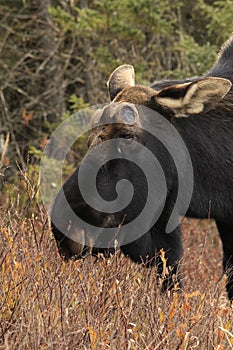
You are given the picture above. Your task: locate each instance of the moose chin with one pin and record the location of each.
(200, 110)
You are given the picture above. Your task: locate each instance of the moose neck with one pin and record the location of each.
(212, 163)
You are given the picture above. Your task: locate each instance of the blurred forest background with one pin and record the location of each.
(56, 55)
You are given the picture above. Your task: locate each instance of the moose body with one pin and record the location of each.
(201, 110)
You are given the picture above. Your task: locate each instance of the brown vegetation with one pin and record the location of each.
(104, 303)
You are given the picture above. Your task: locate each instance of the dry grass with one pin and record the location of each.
(105, 303)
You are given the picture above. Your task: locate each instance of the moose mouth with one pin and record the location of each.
(82, 243)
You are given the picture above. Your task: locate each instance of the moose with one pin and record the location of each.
(200, 109)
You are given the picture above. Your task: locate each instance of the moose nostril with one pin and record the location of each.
(85, 252)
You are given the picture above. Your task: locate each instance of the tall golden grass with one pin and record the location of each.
(110, 303)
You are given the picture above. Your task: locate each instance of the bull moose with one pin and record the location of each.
(200, 109)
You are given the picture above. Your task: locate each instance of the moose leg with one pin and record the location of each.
(226, 235)
(170, 250)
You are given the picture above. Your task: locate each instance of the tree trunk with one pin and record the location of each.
(50, 70)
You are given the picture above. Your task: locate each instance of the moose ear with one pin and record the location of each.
(121, 77)
(193, 97)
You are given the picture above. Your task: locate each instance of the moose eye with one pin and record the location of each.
(128, 114)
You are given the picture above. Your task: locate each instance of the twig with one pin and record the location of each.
(118, 230)
(5, 146)
(61, 308)
(6, 111)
